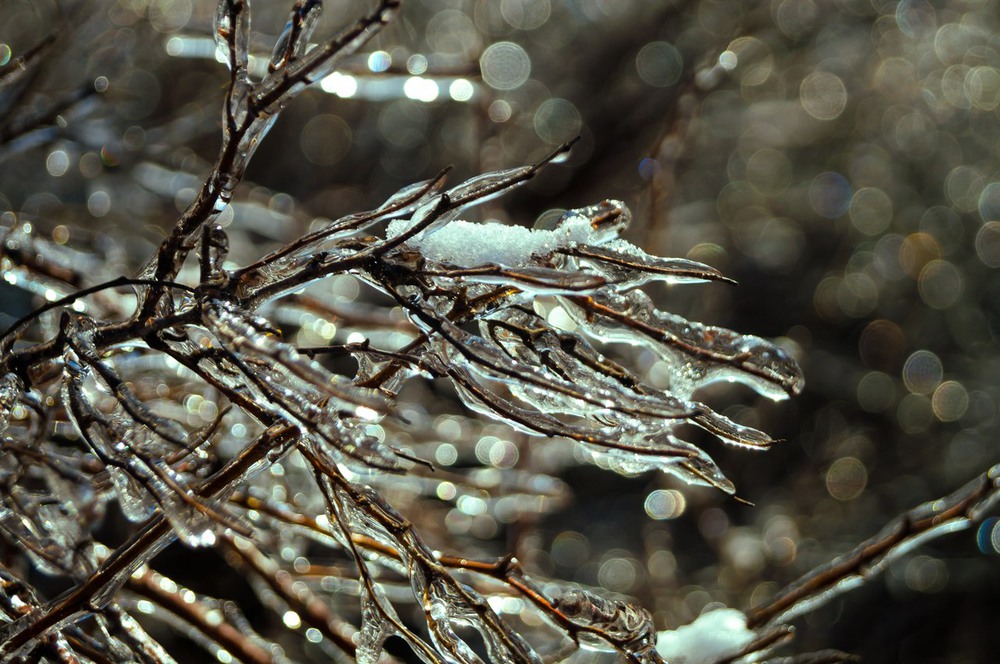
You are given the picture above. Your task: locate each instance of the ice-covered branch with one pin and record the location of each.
(955, 512)
(168, 395)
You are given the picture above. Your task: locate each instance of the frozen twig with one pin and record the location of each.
(957, 511)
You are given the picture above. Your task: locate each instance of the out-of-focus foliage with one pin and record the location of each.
(839, 159)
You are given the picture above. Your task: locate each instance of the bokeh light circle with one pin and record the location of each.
(505, 66)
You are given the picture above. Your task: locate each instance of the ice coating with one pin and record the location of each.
(714, 636)
(11, 389)
(469, 244)
(294, 37)
(232, 34)
(700, 354)
(548, 377)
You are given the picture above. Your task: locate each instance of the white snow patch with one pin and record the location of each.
(713, 636)
(469, 244)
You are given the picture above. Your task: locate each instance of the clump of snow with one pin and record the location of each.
(713, 636)
(469, 244)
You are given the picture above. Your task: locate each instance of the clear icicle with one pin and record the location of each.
(533, 280)
(249, 142)
(402, 204)
(486, 187)
(318, 62)
(136, 504)
(44, 553)
(232, 33)
(702, 354)
(489, 362)
(731, 432)
(375, 628)
(627, 266)
(453, 649)
(235, 114)
(408, 198)
(294, 38)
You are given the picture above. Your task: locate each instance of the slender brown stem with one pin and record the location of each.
(959, 509)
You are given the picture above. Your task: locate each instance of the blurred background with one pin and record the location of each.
(839, 158)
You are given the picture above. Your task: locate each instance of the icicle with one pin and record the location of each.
(235, 115)
(81, 332)
(192, 525)
(409, 197)
(490, 362)
(249, 142)
(243, 333)
(452, 649)
(134, 631)
(731, 432)
(361, 522)
(232, 33)
(531, 280)
(294, 39)
(215, 250)
(46, 553)
(701, 354)
(318, 62)
(135, 502)
(486, 187)
(400, 205)
(448, 605)
(375, 629)
(627, 266)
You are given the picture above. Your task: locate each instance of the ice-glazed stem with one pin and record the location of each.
(952, 513)
(150, 539)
